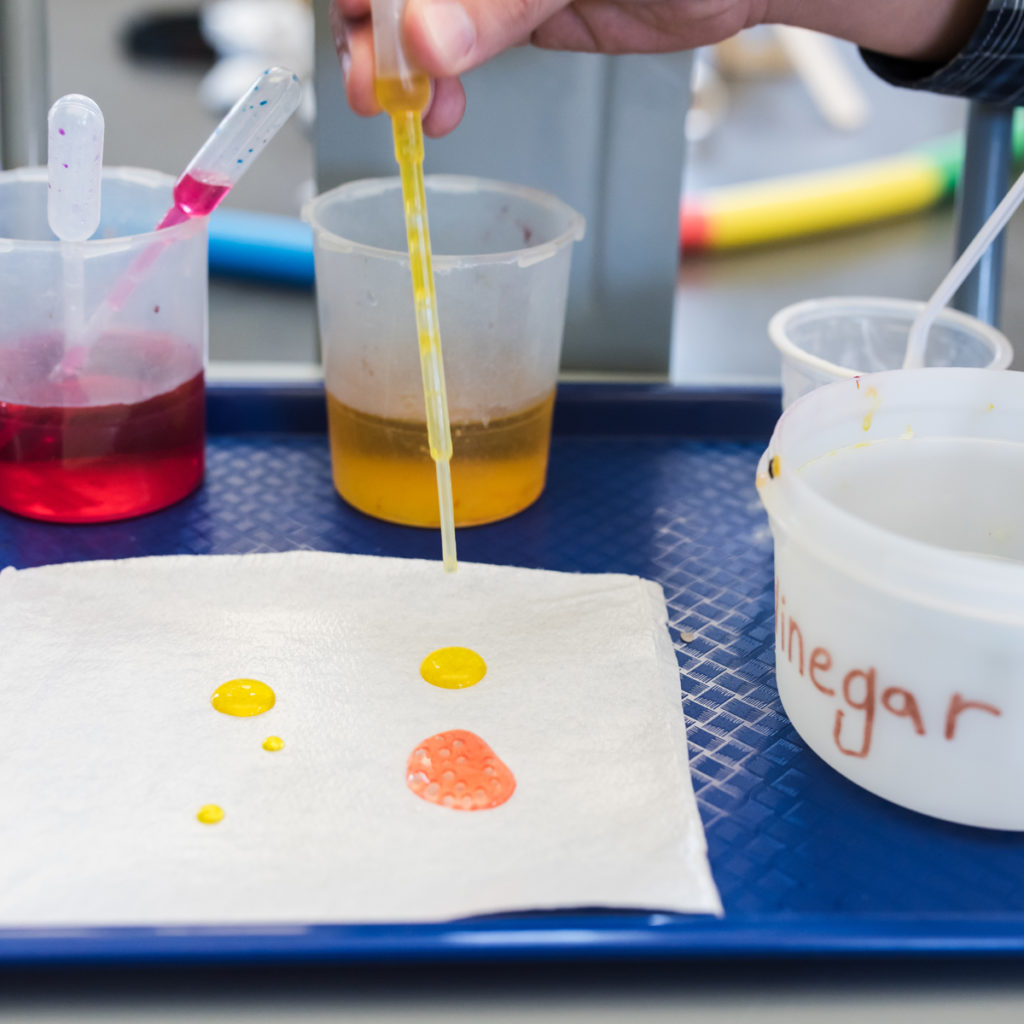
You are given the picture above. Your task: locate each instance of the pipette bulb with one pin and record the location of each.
(74, 167)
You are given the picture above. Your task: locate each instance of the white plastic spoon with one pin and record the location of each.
(917, 339)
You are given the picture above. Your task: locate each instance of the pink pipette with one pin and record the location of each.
(228, 153)
(225, 156)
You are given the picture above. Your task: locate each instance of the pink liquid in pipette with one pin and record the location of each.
(193, 197)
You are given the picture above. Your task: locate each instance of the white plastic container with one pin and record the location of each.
(896, 503)
(836, 338)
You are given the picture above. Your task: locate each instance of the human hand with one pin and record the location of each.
(445, 38)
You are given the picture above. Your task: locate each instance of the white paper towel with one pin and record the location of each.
(109, 745)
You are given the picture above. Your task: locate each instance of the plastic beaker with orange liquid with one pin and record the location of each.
(501, 258)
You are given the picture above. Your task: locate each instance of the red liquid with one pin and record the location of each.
(193, 197)
(84, 450)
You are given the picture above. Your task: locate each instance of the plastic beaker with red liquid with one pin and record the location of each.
(108, 423)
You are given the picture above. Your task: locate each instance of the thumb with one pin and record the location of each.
(447, 37)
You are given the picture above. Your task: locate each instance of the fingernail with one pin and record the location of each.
(337, 24)
(451, 33)
(340, 40)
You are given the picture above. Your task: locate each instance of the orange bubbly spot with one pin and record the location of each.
(458, 769)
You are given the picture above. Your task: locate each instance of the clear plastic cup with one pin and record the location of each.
(895, 507)
(836, 338)
(102, 353)
(501, 266)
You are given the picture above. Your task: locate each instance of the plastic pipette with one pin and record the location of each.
(403, 93)
(917, 339)
(238, 140)
(225, 156)
(74, 165)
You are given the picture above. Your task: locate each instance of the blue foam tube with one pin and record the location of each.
(265, 246)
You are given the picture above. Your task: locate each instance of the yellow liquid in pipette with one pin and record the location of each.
(404, 99)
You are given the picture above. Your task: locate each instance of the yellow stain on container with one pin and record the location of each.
(243, 698)
(875, 403)
(453, 668)
(273, 743)
(773, 470)
(210, 814)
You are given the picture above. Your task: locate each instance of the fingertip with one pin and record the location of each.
(447, 107)
(357, 67)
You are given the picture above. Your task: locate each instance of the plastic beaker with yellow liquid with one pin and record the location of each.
(501, 266)
(489, 275)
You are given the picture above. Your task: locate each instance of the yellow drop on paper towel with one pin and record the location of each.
(210, 814)
(453, 668)
(243, 698)
(273, 743)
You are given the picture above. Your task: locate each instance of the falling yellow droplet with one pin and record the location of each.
(453, 668)
(210, 814)
(273, 743)
(243, 698)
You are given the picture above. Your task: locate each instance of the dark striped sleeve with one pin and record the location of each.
(989, 68)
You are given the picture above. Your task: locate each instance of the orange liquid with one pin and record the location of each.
(458, 769)
(383, 466)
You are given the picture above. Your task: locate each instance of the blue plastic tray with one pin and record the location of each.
(653, 481)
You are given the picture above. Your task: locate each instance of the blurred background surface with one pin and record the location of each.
(754, 118)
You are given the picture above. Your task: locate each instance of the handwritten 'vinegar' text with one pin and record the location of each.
(859, 694)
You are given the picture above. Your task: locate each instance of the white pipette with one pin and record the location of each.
(917, 339)
(74, 167)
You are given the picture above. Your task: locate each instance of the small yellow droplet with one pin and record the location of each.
(210, 814)
(273, 743)
(243, 698)
(453, 668)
